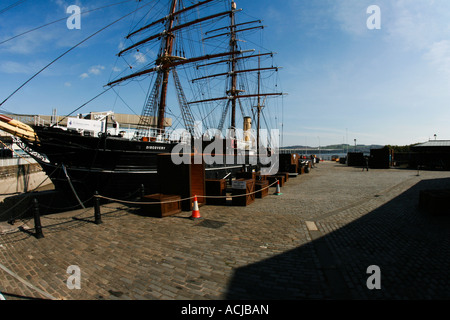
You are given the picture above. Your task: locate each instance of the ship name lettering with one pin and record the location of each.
(155, 148)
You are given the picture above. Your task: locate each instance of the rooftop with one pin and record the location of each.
(434, 143)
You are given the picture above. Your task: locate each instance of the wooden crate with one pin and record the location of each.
(162, 209)
(281, 178)
(246, 175)
(286, 175)
(274, 178)
(301, 170)
(285, 160)
(185, 180)
(247, 192)
(261, 189)
(260, 177)
(216, 187)
(293, 168)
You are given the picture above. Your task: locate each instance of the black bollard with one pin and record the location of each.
(97, 214)
(37, 220)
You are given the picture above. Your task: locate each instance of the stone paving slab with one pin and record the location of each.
(266, 250)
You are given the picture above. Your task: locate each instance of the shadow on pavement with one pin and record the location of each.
(410, 246)
(11, 296)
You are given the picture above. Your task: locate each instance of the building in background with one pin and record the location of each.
(433, 154)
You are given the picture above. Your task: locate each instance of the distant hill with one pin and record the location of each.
(339, 148)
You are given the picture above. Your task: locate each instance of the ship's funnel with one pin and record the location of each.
(247, 128)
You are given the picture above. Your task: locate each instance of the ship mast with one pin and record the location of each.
(166, 62)
(234, 93)
(233, 47)
(258, 125)
(166, 56)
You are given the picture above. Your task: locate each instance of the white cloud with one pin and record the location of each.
(94, 70)
(13, 67)
(30, 43)
(411, 28)
(439, 56)
(415, 24)
(65, 4)
(351, 16)
(140, 58)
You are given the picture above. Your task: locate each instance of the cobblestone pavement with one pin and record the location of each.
(315, 241)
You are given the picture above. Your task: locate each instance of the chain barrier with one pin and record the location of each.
(24, 212)
(67, 218)
(24, 198)
(190, 198)
(66, 208)
(3, 214)
(120, 201)
(75, 206)
(23, 221)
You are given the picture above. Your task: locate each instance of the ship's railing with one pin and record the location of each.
(160, 135)
(28, 119)
(38, 121)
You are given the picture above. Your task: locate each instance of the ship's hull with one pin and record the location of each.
(116, 167)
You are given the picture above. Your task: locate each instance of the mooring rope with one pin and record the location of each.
(71, 186)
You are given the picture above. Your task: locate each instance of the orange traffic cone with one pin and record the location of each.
(278, 192)
(195, 211)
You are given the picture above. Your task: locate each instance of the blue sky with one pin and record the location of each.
(344, 81)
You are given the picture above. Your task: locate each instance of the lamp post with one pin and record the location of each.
(319, 148)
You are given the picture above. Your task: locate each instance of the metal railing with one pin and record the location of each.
(159, 135)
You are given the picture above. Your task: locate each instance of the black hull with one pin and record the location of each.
(81, 183)
(115, 167)
(121, 185)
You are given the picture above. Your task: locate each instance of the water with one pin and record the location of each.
(327, 156)
(321, 155)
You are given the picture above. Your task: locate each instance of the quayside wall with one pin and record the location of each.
(18, 175)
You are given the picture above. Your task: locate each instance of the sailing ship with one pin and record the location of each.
(200, 50)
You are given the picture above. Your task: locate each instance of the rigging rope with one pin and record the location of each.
(62, 19)
(84, 104)
(71, 186)
(12, 6)
(66, 52)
